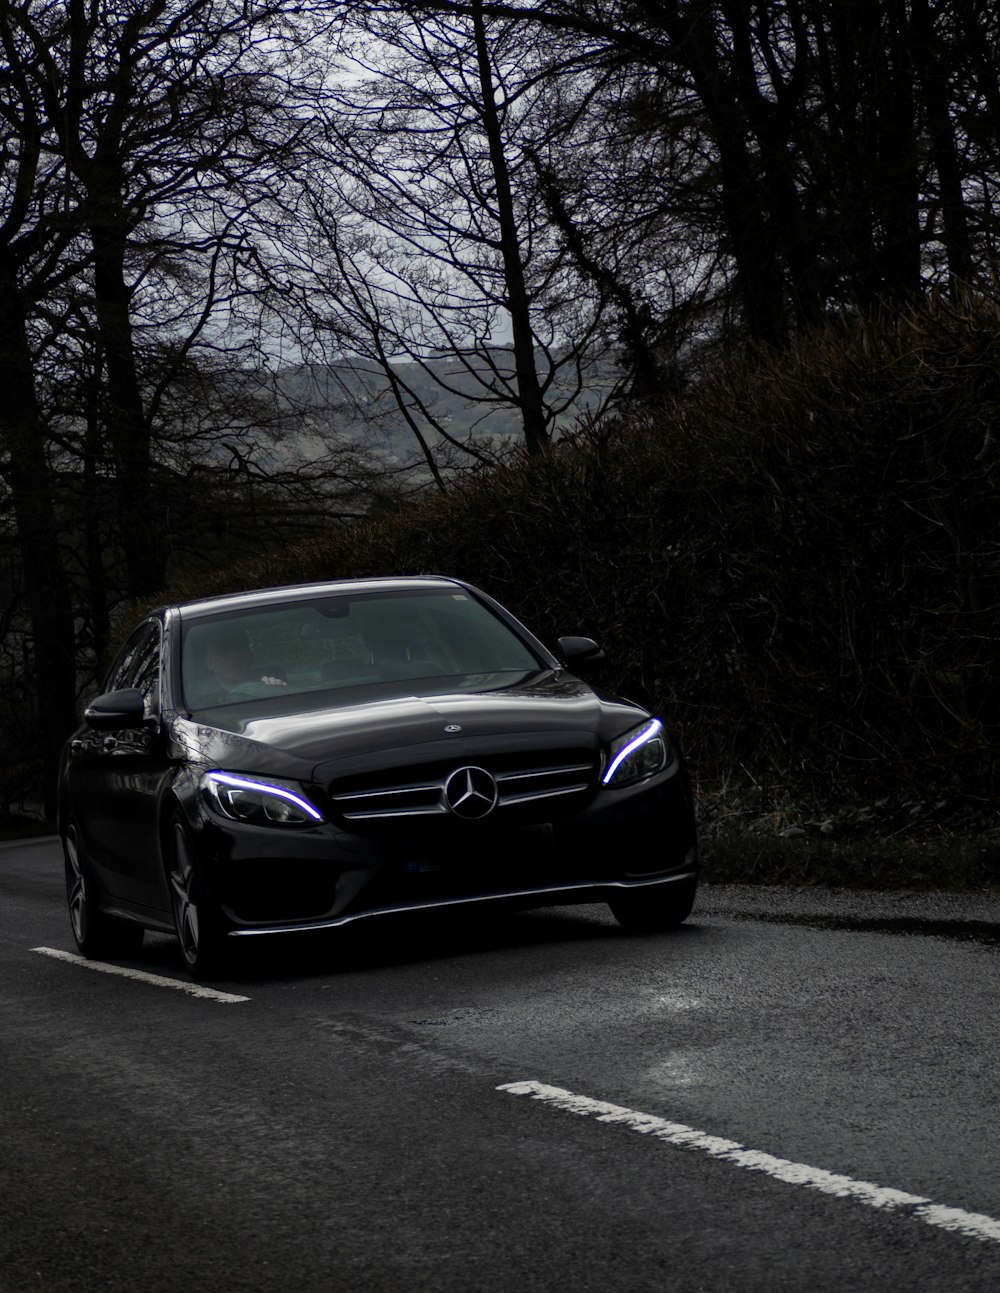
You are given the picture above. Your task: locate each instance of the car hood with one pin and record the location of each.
(319, 744)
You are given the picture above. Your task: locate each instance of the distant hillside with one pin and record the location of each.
(355, 398)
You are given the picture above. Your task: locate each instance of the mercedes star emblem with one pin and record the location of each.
(470, 793)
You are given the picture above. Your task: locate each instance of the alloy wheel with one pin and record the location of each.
(76, 887)
(183, 892)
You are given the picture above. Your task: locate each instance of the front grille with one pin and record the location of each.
(420, 792)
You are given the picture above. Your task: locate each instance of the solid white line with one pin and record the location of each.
(140, 976)
(974, 1224)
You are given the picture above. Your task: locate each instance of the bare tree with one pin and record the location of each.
(433, 251)
(150, 117)
(31, 242)
(844, 151)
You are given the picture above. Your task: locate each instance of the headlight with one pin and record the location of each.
(638, 754)
(262, 803)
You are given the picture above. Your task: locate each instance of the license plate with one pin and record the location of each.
(424, 864)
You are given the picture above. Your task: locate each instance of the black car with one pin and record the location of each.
(300, 758)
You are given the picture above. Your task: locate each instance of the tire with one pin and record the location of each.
(96, 934)
(650, 911)
(196, 918)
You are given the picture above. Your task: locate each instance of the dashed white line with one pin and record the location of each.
(973, 1224)
(140, 976)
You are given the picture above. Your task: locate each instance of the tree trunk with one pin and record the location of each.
(532, 405)
(898, 192)
(47, 592)
(760, 277)
(933, 76)
(139, 511)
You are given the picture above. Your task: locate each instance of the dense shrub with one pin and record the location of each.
(799, 560)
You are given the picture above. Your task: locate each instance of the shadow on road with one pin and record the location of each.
(969, 931)
(410, 939)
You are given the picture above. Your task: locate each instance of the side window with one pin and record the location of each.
(122, 667)
(138, 664)
(146, 673)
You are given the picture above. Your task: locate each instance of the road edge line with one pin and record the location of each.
(142, 976)
(956, 1220)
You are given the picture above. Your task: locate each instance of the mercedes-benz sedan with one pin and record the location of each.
(301, 758)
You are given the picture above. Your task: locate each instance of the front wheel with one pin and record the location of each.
(651, 910)
(96, 934)
(196, 920)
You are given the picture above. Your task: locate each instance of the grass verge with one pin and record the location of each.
(901, 843)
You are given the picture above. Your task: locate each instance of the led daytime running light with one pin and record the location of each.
(652, 729)
(241, 783)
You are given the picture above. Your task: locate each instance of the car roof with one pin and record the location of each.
(209, 606)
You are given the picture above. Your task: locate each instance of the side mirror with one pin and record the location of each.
(576, 650)
(116, 709)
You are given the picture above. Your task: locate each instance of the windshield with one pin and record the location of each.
(383, 642)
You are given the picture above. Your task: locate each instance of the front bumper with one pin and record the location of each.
(547, 896)
(270, 880)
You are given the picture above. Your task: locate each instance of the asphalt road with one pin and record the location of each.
(530, 1102)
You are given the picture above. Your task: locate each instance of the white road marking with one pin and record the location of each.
(974, 1224)
(140, 976)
